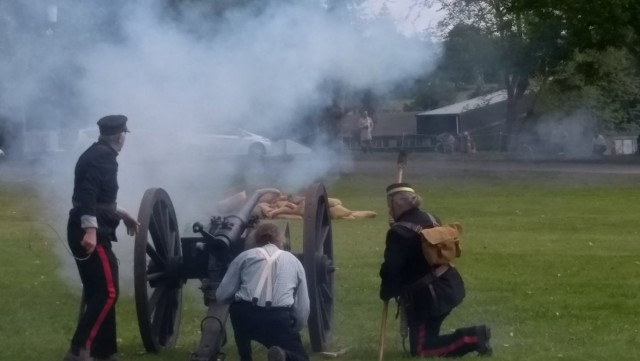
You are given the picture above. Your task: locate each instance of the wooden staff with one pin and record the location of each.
(402, 163)
(383, 329)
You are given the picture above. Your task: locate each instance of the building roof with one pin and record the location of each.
(468, 105)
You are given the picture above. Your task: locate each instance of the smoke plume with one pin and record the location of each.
(179, 80)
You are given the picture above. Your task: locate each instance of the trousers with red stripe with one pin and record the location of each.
(425, 338)
(96, 329)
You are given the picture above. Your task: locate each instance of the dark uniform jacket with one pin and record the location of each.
(404, 264)
(95, 191)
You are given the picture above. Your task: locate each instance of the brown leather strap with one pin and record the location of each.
(427, 279)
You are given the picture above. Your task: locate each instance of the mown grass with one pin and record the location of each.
(551, 264)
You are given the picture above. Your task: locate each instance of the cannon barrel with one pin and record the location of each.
(234, 225)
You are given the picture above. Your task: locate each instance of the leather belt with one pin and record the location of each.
(104, 206)
(252, 304)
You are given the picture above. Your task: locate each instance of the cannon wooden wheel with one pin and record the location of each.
(157, 278)
(317, 259)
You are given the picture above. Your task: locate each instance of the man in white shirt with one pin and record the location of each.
(365, 125)
(267, 289)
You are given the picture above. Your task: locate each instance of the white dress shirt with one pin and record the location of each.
(288, 280)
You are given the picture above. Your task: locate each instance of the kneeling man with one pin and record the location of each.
(267, 289)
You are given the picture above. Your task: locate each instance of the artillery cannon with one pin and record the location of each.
(164, 262)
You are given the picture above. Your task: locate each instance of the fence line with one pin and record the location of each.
(420, 142)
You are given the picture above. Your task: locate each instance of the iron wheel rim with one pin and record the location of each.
(319, 267)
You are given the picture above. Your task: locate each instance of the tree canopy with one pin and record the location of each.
(581, 53)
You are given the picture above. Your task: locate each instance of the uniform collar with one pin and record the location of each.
(408, 214)
(108, 145)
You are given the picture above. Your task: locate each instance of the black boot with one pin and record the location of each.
(484, 338)
(80, 355)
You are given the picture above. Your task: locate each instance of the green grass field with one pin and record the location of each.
(551, 265)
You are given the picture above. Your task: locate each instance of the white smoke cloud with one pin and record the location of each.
(260, 69)
(567, 135)
(256, 69)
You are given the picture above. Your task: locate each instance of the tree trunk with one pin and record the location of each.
(510, 83)
(511, 118)
(516, 85)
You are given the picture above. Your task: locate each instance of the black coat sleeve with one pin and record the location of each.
(391, 271)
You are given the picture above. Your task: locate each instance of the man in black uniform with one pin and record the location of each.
(91, 229)
(428, 293)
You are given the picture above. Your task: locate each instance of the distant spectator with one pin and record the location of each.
(599, 145)
(365, 124)
(559, 139)
(446, 143)
(466, 143)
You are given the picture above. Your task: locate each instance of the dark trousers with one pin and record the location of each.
(270, 327)
(96, 330)
(425, 339)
